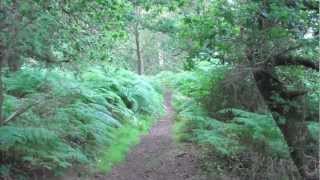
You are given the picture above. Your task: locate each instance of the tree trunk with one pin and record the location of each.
(2, 59)
(138, 50)
(288, 113)
(160, 55)
(14, 63)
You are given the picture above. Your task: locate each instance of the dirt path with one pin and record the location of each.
(157, 157)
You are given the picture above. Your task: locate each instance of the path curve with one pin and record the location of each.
(157, 157)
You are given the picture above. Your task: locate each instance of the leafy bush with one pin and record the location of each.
(195, 83)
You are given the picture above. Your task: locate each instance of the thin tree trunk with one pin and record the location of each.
(12, 57)
(2, 58)
(138, 50)
(160, 55)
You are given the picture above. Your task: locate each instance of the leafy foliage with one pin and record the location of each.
(230, 136)
(244, 132)
(195, 83)
(66, 97)
(75, 120)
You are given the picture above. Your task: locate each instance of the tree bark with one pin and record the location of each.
(296, 61)
(138, 50)
(2, 59)
(287, 111)
(160, 55)
(13, 61)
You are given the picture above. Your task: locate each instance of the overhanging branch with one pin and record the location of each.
(298, 61)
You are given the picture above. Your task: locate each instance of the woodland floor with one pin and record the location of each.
(158, 157)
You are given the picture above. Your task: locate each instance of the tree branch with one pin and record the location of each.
(19, 112)
(286, 51)
(47, 57)
(291, 60)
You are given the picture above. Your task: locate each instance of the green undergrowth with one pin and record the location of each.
(72, 118)
(229, 131)
(195, 83)
(245, 131)
(127, 136)
(233, 142)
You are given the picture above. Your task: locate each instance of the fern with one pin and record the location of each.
(38, 146)
(76, 119)
(245, 131)
(25, 81)
(10, 105)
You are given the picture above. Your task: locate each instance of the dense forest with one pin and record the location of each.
(159, 89)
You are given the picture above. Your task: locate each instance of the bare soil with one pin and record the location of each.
(158, 157)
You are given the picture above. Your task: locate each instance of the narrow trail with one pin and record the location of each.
(157, 157)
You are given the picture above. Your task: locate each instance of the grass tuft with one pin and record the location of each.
(127, 136)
